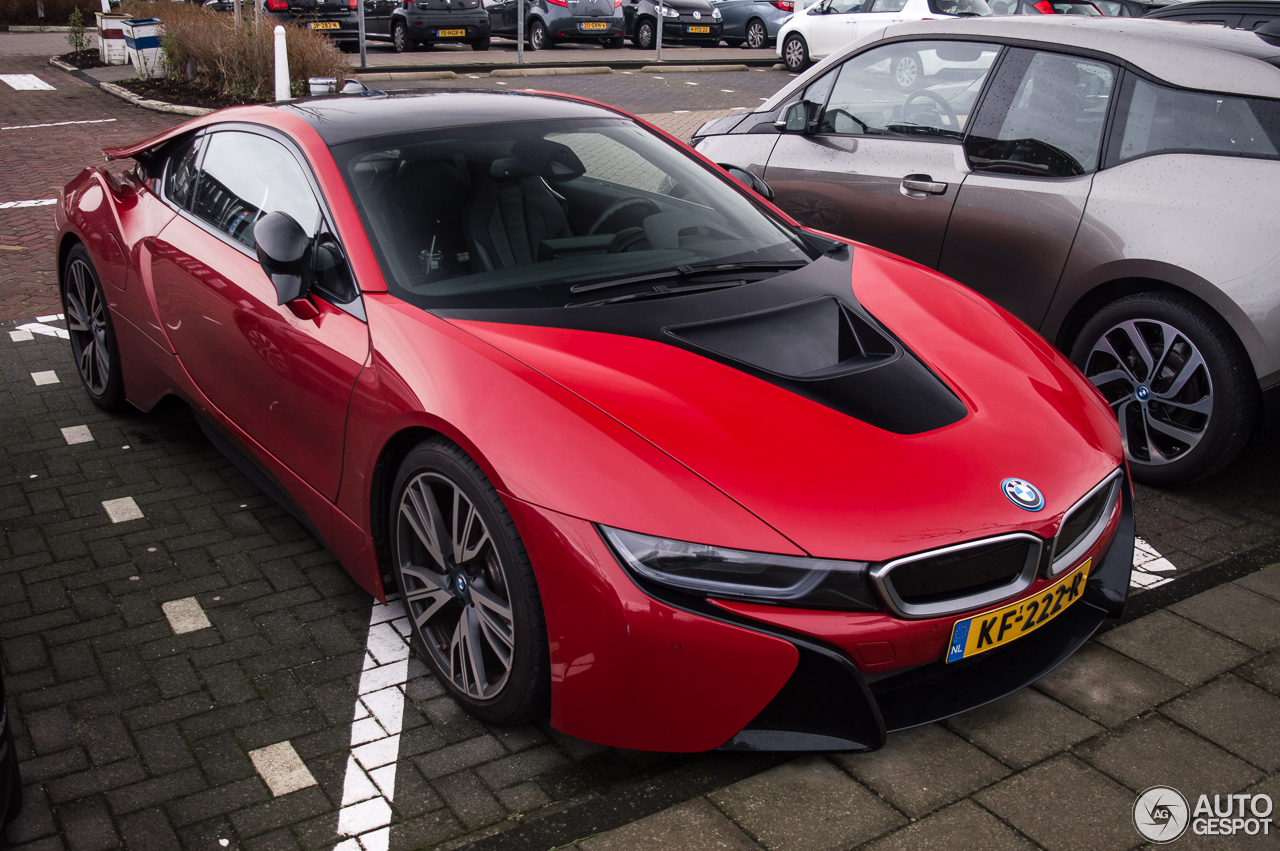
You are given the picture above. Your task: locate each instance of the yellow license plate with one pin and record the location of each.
(989, 630)
(699, 29)
(324, 25)
(451, 33)
(592, 25)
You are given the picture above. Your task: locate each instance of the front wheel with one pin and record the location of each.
(757, 35)
(468, 587)
(480, 44)
(795, 53)
(1179, 383)
(93, 337)
(645, 35)
(538, 39)
(400, 37)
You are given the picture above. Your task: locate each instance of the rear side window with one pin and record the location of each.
(180, 173)
(961, 8)
(1159, 119)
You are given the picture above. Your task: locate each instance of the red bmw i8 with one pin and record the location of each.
(638, 449)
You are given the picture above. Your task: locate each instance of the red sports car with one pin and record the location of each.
(637, 448)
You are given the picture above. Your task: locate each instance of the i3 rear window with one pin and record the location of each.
(1160, 119)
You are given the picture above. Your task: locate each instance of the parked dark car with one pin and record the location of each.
(1044, 7)
(694, 21)
(422, 23)
(1127, 8)
(752, 23)
(549, 22)
(10, 778)
(338, 19)
(1242, 16)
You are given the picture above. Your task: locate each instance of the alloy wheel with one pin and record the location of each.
(793, 54)
(398, 38)
(454, 586)
(1158, 384)
(906, 71)
(756, 35)
(646, 35)
(87, 324)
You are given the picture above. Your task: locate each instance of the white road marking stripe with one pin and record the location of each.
(57, 124)
(282, 768)
(43, 202)
(47, 377)
(78, 434)
(122, 509)
(51, 317)
(44, 330)
(27, 83)
(185, 615)
(370, 782)
(1148, 566)
(20, 336)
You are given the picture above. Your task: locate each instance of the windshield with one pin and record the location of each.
(961, 8)
(531, 213)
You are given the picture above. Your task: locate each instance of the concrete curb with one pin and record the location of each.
(25, 29)
(58, 63)
(549, 72)
(153, 105)
(686, 69)
(383, 77)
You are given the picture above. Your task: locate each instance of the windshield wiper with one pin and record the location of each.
(689, 271)
(659, 291)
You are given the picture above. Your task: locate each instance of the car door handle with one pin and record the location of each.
(923, 183)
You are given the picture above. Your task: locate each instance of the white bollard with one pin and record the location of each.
(282, 66)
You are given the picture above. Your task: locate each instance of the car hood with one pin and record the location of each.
(864, 407)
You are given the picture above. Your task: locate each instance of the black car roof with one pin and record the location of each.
(347, 119)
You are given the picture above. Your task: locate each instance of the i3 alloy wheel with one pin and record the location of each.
(757, 35)
(907, 71)
(1177, 381)
(645, 34)
(538, 36)
(795, 53)
(468, 586)
(93, 340)
(399, 37)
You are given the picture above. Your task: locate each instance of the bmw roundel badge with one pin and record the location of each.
(1023, 494)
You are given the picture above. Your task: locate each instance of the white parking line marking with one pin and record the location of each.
(27, 83)
(43, 202)
(282, 768)
(57, 124)
(47, 377)
(78, 434)
(20, 336)
(370, 782)
(122, 509)
(185, 615)
(1148, 566)
(51, 317)
(43, 330)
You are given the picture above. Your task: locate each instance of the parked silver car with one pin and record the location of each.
(753, 23)
(1112, 183)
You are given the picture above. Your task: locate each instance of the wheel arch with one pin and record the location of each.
(394, 451)
(66, 242)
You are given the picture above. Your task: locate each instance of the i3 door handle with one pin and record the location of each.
(923, 183)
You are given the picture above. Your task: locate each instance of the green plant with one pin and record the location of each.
(75, 31)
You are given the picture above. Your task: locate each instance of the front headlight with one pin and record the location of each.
(763, 577)
(715, 13)
(668, 12)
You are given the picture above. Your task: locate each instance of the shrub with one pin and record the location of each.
(206, 46)
(57, 13)
(75, 32)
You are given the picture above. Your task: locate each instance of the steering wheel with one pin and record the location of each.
(936, 98)
(620, 205)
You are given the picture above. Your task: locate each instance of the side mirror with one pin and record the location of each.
(749, 179)
(282, 246)
(799, 118)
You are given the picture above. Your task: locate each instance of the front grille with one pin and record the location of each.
(955, 579)
(1084, 523)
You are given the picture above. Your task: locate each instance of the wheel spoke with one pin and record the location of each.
(1191, 438)
(433, 595)
(1110, 375)
(1154, 454)
(1200, 406)
(420, 510)
(1104, 345)
(466, 661)
(102, 364)
(465, 518)
(1126, 440)
(86, 361)
(1184, 375)
(494, 616)
(1139, 344)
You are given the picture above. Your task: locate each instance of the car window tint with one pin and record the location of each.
(1159, 119)
(331, 276)
(180, 173)
(843, 7)
(245, 176)
(887, 6)
(1067, 8)
(1113, 8)
(1043, 116)
(869, 98)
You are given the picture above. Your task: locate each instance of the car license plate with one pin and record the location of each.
(324, 25)
(989, 630)
(699, 29)
(451, 33)
(595, 25)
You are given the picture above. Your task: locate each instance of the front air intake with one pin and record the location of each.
(958, 578)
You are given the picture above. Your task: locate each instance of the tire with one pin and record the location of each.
(613, 43)
(757, 34)
(446, 595)
(480, 44)
(645, 34)
(1170, 437)
(733, 42)
(795, 53)
(400, 38)
(538, 38)
(93, 337)
(907, 71)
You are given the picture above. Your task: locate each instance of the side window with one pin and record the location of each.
(180, 173)
(243, 177)
(1160, 119)
(886, 6)
(846, 7)
(963, 8)
(1043, 116)
(869, 100)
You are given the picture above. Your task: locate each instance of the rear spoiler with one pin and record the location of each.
(142, 150)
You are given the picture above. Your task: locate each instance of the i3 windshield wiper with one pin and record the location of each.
(689, 271)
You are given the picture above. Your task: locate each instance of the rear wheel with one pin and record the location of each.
(908, 74)
(400, 37)
(795, 53)
(1180, 384)
(645, 34)
(93, 338)
(757, 35)
(468, 587)
(538, 38)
